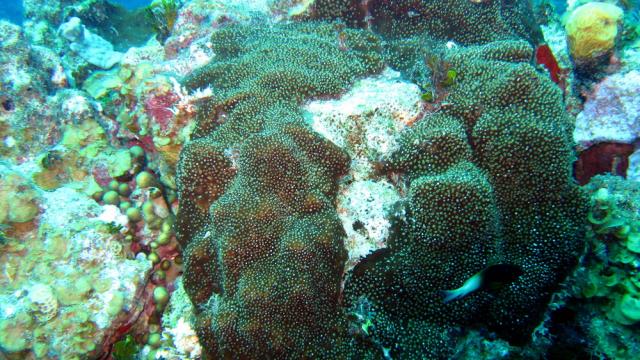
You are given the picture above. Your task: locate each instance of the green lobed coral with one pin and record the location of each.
(489, 182)
(263, 245)
(488, 177)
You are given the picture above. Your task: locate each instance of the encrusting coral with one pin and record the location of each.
(275, 246)
(487, 172)
(479, 175)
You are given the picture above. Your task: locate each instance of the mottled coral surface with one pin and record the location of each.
(485, 178)
(263, 243)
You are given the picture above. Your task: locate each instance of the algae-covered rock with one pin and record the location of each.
(88, 45)
(100, 83)
(607, 284)
(120, 163)
(15, 333)
(18, 198)
(66, 282)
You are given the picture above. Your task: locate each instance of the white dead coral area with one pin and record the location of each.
(366, 122)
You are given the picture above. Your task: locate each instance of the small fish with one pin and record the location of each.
(491, 278)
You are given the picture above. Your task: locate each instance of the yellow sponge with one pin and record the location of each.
(592, 29)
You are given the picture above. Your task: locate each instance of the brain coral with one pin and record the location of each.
(592, 30)
(487, 174)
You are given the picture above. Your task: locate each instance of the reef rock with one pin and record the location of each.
(366, 123)
(91, 47)
(612, 112)
(67, 280)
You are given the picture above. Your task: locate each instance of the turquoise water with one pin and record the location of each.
(13, 11)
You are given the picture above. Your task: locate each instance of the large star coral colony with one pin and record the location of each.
(328, 179)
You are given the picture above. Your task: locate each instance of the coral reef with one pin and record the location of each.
(605, 289)
(86, 225)
(269, 182)
(256, 189)
(468, 207)
(339, 165)
(66, 281)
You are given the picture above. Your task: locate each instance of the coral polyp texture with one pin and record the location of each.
(482, 178)
(263, 244)
(479, 173)
(466, 22)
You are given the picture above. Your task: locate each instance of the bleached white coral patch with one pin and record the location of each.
(178, 327)
(77, 105)
(366, 123)
(43, 302)
(83, 207)
(367, 120)
(112, 214)
(185, 339)
(364, 208)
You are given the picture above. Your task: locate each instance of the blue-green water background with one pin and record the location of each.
(12, 9)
